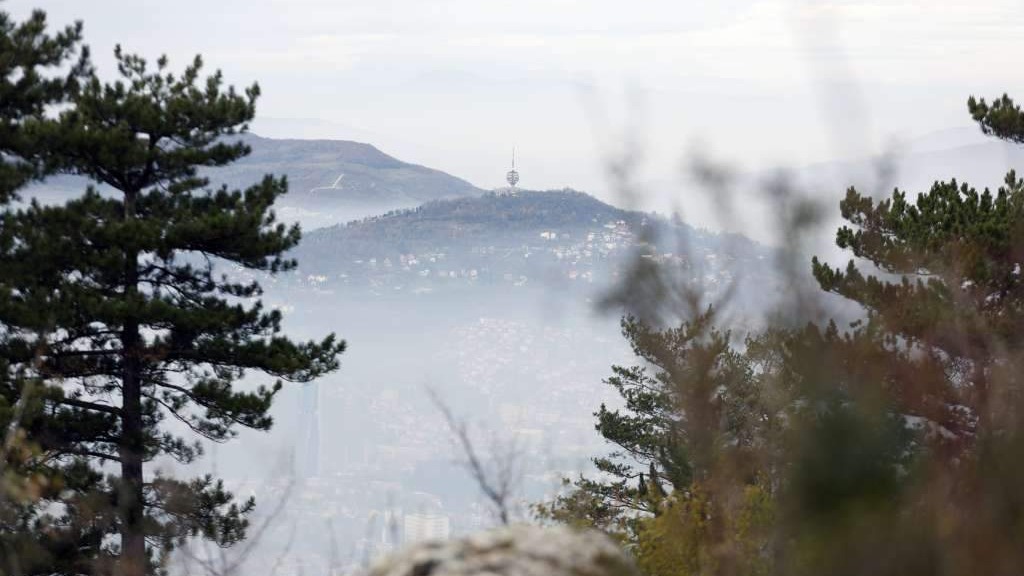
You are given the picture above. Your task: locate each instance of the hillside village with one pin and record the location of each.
(453, 249)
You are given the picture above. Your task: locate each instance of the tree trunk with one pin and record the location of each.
(131, 450)
(133, 538)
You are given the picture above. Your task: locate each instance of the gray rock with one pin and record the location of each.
(513, 551)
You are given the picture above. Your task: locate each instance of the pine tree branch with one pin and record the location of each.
(88, 453)
(191, 396)
(185, 421)
(112, 410)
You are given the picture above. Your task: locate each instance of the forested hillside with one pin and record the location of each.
(555, 239)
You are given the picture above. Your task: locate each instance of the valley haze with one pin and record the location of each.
(487, 297)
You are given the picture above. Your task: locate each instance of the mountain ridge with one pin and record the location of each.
(330, 181)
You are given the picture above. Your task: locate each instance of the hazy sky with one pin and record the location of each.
(454, 84)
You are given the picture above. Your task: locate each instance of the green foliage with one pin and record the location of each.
(958, 252)
(31, 82)
(1002, 118)
(888, 448)
(581, 508)
(698, 405)
(680, 539)
(674, 542)
(37, 72)
(950, 283)
(121, 309)
(942, 348)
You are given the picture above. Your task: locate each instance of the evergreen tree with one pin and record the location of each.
(951, 280)
(946, 301)
(38, 71)
(29, 85)
(889, 448)
(140, 303)
(694, 402)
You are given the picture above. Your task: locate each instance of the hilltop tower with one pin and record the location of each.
(512, 177)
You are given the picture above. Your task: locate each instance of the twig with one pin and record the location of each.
(496, 485)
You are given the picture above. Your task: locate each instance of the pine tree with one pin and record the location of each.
(944, 307)
(693, 401)
(123, 303)
(951, 283)
(38, 71)
(29, 85)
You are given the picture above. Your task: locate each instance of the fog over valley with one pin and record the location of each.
(500, 302)
(543, 287)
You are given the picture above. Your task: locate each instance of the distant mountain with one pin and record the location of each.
(330, 181)
(912, 166)
(329, 173)
(980, 164)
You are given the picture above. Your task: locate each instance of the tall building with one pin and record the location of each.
(308, 457)
(421, 527)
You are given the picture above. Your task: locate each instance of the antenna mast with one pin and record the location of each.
(512, 177)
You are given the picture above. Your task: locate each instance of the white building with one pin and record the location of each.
(420, 527)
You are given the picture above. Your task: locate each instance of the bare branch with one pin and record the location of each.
(498, 484)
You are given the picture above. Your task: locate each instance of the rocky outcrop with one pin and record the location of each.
(513, 551)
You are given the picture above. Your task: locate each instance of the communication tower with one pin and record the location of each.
(512, 177)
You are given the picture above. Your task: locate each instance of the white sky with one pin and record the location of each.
(454, 84)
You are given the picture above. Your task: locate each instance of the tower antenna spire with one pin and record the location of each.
(512, 177)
